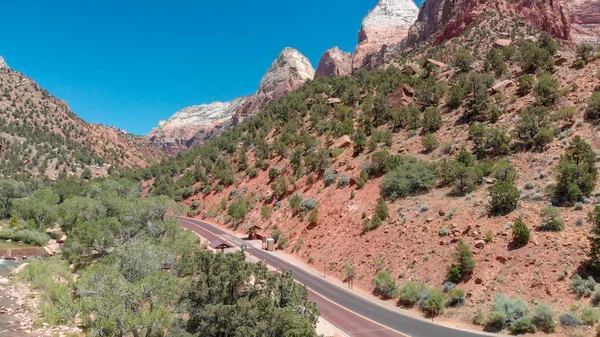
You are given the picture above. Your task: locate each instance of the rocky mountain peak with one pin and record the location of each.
(334, 62)
(288, 69)
(3, 64)
(389, 13)
(386, 24)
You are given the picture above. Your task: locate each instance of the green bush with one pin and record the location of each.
(505, 197)
(533, 57)
(544, 318)
(384, 284)
(412, 293)
(576, 174)
(274, 172)
(522, 325)
(546, 90)
(463, 60)
(520, 232)
(512, 308)
(583, 287)
(525, 83)
(456, 298)
(465, 264)
(313, 216)
(432, 120)
(294, 201)
(547, 42)
(593, 108)
(495, 321)
(381, 209)
(504, 171)
(584, 51)
(551, 220)
(27, 236)
(494, 62)
(589, 315)
(453, 274)
(434, 305)
(429, 142)
(456, 96)
(411, 177)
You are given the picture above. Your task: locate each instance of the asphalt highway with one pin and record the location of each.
(351, 313)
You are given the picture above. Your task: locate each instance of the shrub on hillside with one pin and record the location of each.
(522, 325)
(525, 83)
(294, 201)
(308, 204)
(429, 142)
(494, 62)
(433, 305)
(505, 197)
(585, 51)
(546, 90)
(576, 174)
(520, 232)
(593, 109)
(533, 57)
(504, 171)
(464, 266)
(384, 284)
(589, 316)
(381, 209)
(544, 318)
(343, 181)
(583, 287)
(551, 220)
(432, 120)
(456, 96)
(463, 60)
(313, 217)
(329, 176)
(495, 321)
(512, 308)
(412, 293)
(411, 177)
(456, 298)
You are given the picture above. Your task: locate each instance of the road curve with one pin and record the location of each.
(351, 313)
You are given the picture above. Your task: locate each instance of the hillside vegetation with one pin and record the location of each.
(39, 135)
(485, 165)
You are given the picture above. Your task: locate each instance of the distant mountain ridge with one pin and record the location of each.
(190, 125)
(40, 135)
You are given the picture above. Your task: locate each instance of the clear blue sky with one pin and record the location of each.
(130, 63)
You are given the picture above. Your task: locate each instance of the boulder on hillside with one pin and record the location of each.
(401, 97)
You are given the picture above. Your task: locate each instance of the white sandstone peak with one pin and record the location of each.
(289, 66)
(388, 13)
(204, 114)
(3, 64)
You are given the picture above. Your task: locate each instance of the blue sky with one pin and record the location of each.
(131, 63)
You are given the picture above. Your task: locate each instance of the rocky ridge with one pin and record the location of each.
(585, 21)
(441, 20)
(194, 125)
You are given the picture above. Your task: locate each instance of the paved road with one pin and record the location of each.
(349, 312)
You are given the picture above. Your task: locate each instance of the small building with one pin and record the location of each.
(252, 230)
(220, 245)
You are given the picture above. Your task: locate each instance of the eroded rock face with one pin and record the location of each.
(585, 21)
(3, 64)
(334, 62)
(287, 73)
(173, 133)
(197, 124)
(440, 20)
(386, 24)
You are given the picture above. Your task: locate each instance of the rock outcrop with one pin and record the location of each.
(386, 24)
(441, 20)
(172, 135)
(288, 72)
(585, 21)
(334, 62)
(3, 64)
(197, 124)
